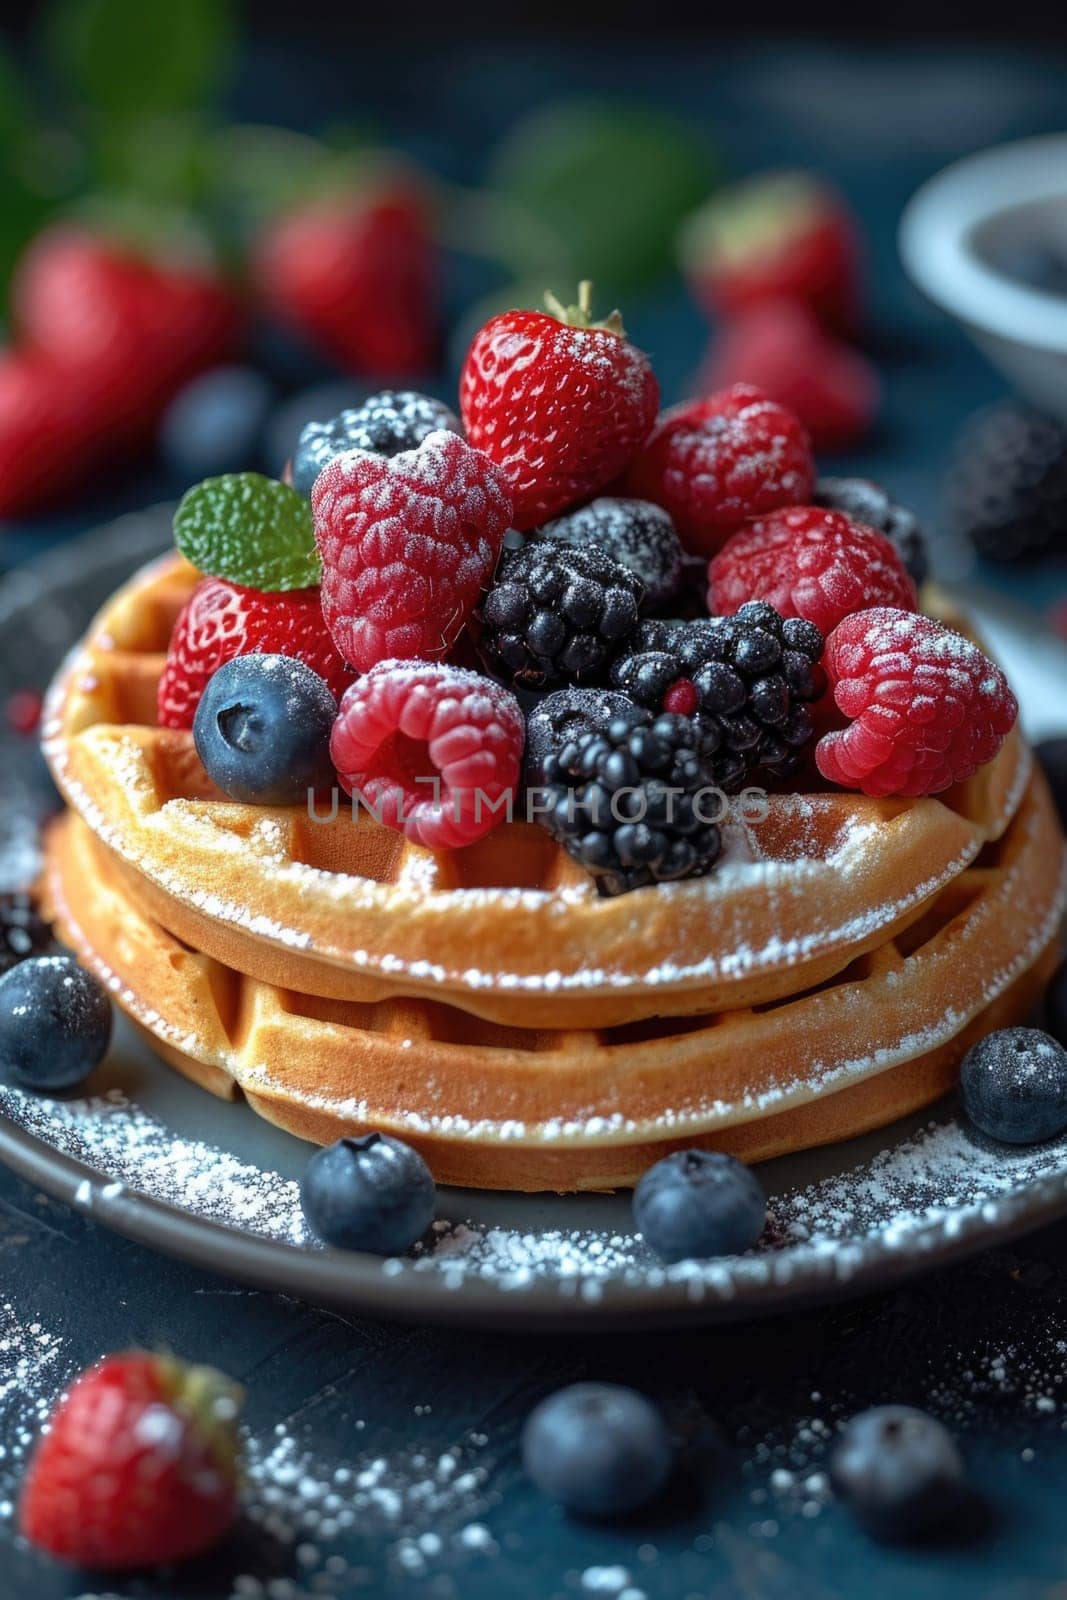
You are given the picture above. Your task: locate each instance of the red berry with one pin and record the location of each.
(221, 620)
(779, 346)
(681, 698)
(781, 234)
(560, 404)
(358, 277)
(927, 708)
(138, 1467)
(24, 711)
(715, 463)
(432, 750)
(51, 433)
(408, 543)
(811, 563)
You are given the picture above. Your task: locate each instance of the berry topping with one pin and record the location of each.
(715, 463)
(262, 730)
(699, 1203)
(386, 424)
(55, 1023)
(1014, 1086)
(634, 803)
(567, 714)
(1007, 485)
(748, 681)
(555, 614)
(408, 544)
(221, 620)
(898, 1471)
(926, 707)
(432, 750)
(597, 1449)
(560, 403)
(867, 502)
(371, 1193)
(637, 534)
(809, 563)
(249, 529)
(22, 932)
(138, 1467)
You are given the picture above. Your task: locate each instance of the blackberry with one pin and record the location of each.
(22, 933)
(556, 615)
(747, 681)
(637, 534)
(567, 714)
(1007, 485)
(384, 425)
(864, 501)
(631, 801)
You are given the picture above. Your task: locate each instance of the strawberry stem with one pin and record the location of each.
(580, 315)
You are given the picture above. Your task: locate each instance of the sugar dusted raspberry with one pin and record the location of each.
(714, 463)
(430, 749)
(927, 708)
(408, 544)
(811, 563)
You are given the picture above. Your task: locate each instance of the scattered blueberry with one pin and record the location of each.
(1052, 754)
(215, 424)
(635, 533)
(898, 1471)
(597, 1449)
(55, 1023)
(1014, 1086)
(699, 1203)
(384, 425)
(370, 1193)
(22, 932)
(262, 730)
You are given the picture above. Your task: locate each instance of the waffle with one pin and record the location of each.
(520, 1108)
(510, 930)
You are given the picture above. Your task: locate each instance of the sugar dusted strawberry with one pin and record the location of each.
(408, 543)
(716, 463)
(812, 563)
(927, 708)
(222, 620)
(560, 403)
(138, 1468)
(432, 750)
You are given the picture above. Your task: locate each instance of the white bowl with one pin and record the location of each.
(1022, 330)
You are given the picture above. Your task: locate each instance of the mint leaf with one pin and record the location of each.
(249, 529)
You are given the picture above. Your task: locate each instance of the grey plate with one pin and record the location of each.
(161, 1161)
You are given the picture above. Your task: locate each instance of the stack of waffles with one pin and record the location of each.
(486, 1004)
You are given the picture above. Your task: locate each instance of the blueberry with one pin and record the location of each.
(698, 1203)
(372, 1193)
(55, 1023)
(22, 933)
(1014, 1085)
(1052, 754)
(898, 1471)
(215, 423)
(262, 730)
(384, 425)
(597, 1449)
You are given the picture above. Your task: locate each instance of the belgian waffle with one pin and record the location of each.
(510, 929)
(565, 1108)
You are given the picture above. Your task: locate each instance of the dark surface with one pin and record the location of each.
(978, 1344)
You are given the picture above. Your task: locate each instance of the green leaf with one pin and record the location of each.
(126, 57)
(249, 529)
(610, 184)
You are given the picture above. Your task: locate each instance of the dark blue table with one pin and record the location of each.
(425, 1423)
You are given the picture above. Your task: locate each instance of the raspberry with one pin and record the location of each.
(810, 563)
(715, 463)
(867, 502)
(927, 707)
(432, 750)
(408, 543)
(222, 620)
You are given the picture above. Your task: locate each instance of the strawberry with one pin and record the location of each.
(138, 1468)
(221, 620)
(50, 433)
(358, 277)
(777, 234)
(780, 346)
(560, 403)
